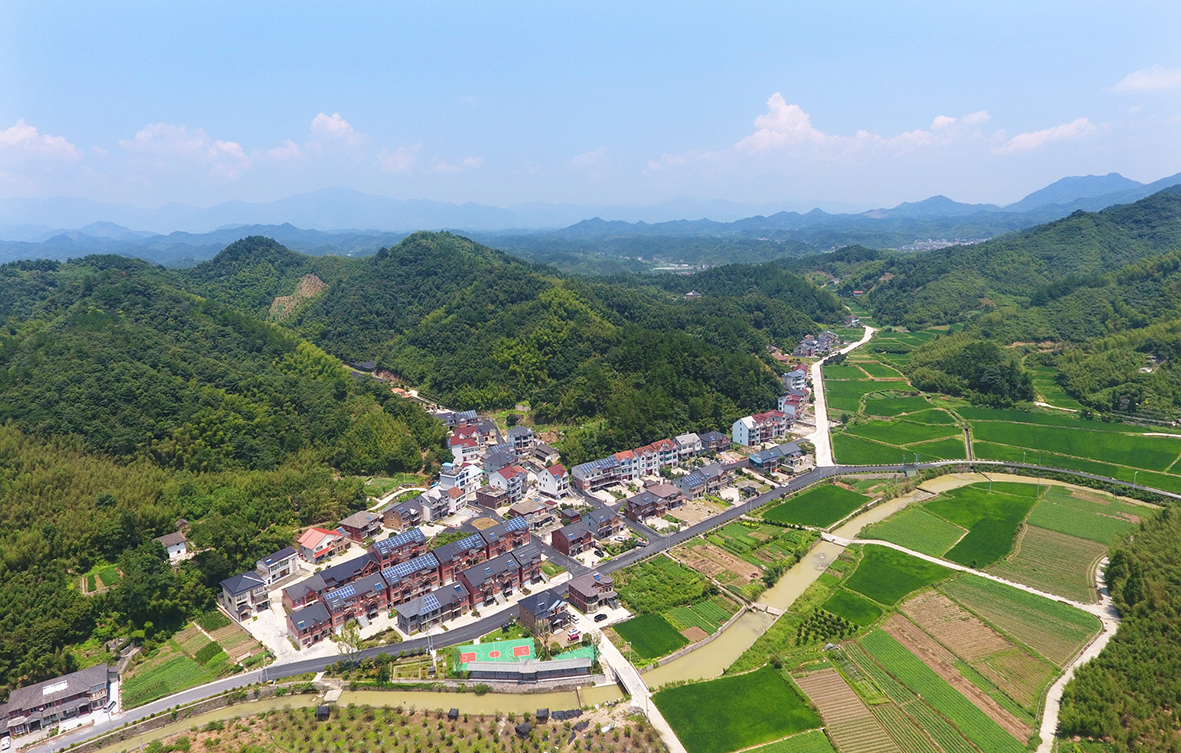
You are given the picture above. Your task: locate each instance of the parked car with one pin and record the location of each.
(600, 617)
(573, 635)
(599, 553)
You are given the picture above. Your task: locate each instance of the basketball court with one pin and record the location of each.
(503, 651)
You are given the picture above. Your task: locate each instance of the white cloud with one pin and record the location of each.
(1024, 142)
(473, 162)
(1150, 79)
(448, 168)
(590, 158)
(289, 150)
(976, 118)
(397, 161)
(170, 147)
(335, 128)
(23, 138)
(782, 125)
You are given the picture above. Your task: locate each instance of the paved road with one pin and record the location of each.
(657, 543)
(821, 438)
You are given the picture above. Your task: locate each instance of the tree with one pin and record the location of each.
(350, 641)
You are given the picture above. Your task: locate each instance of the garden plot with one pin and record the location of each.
(650, 636)
(1055, 630)
(1054, 562)
(716, 563)
(942, 662)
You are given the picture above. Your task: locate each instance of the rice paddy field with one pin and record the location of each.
(886, 575)
(992, 519)
(820, 506)
(813, 741)
(896, 406)
(917, 529)
(743, 711)
(651, 636)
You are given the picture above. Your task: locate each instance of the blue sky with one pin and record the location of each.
(780, 104)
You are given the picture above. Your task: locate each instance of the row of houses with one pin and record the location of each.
(49, 703)
(820, 345)
(583, 531)
(629, 465)
(399, 571)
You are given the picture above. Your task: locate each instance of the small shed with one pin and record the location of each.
(524, 729)
(542, 716)
(323, 713)
(453, 714)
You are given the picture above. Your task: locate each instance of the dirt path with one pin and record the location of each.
(820, 438)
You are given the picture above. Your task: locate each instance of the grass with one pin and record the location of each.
(1055, 630)
(917, 529)
(651, 636)
(851, 450)
(886, 575)
(1153, 453)
(813, 741)
(992, 520)
(1053, 562)
(820, 506)
(1063, 512)
(854, 608)
(973, 723)
(901, 431)
(739, 712)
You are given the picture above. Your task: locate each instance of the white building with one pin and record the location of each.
(512, 479)
(176, 545)
(463, 476)
(554, 482)
(795, 380)
(688, 445)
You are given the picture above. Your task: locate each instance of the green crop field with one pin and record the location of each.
(932, 416)
(992, 520)
(854, 608)
(651, 636)
(903, 729)
(1053, 562)
(951, 448)
(990, 451)
(917, 529)
(813, 741)
(880, 371)
(850, 450)
(846, 396)
(901, 431)
(1051, 418)
(894, 406)
(165, 678)
(843, 372)
(912, 672)
(1055, 630)
(658, 585)
(739, 711)
(937, 727)
(886, 575)
(1154, 453)
(1051, 392)
(1063, 512)
(820, 506)
(707, 615)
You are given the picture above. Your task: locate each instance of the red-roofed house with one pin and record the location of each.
(318, 544)
(554, 482)
(464, 449)
(512, 479)
(629, 465)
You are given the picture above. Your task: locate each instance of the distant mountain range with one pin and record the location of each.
(33, 228)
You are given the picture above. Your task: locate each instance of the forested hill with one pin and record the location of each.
(944, 286)
(477, 328)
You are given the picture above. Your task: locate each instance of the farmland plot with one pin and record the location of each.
(886, 575)
(1098, 517)
(917, 529)
(937, 727)
(902, 729)
(954, 627)
(819, 506)
(894, 406)
(851, 450)
(901, 431)
(862, 736)
(1020, 674)
(1053, 562)
(932, 416)
(1054, 630)
(852, 727)
(805, 742)
(952, 448)
(1155, 453)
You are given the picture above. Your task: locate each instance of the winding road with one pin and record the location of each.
(820, 438)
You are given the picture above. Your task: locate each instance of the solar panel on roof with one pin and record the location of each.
(430, 602)
(343, 592)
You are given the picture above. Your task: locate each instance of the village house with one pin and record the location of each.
(303, 593)
(505, 537)
(544, 454)
(460, 555)
(465, 477)
(365, 597)
(275, 567)
(502, 575)
(492, 497)
(412, 578)
(714, 441)
(434, 608)
(361, 525)
(318, 544)
(434, 505)
(573, 539)
(46, 704)
(588, 593)
(653, 502)
(500, 456)
(512, 479)
(542, 613)
(464, 449)
(688, 446)
(175, 544)
(554, 482)
(309, 625)
(596, 475)
(792, 405)
(535, 512)
(852, 321)
(521, 438)
(402, 515)
(398, 548)
(752, 431)
(796, 379)
(244, 595)
(348, 571)
(602, 523)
